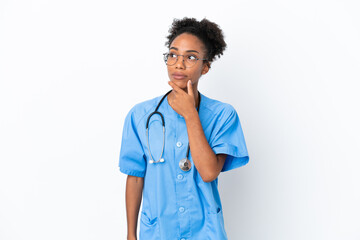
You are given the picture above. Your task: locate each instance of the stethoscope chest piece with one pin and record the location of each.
(185, 164)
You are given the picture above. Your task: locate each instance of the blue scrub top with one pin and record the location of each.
(178, 204)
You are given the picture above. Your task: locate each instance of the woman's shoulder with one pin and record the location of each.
(143, 108)
(216, 107)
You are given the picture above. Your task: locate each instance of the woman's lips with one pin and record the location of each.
(178, 76)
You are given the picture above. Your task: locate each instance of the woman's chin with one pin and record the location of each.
(180, 84)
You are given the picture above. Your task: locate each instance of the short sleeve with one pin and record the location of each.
(228, 138)
(132, 157)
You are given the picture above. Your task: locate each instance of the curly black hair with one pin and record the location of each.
(208, 32)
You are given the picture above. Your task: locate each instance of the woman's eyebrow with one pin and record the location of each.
(192, 51)
(186, 51)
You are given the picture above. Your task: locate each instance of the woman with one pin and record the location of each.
(173, 159)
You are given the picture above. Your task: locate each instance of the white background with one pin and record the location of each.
(70, 70)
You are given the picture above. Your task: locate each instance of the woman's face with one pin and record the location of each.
(179, 73)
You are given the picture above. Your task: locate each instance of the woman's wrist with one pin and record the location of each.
(191, 115)
(131, 237)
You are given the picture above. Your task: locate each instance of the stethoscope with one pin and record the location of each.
(184, 163)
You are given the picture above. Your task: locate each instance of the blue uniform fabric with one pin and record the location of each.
(177, 204)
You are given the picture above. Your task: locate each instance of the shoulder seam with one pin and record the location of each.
(146, 113)
(141, 118)
(216, 114)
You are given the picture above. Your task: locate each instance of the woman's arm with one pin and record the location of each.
(134, 188)
(207, 163)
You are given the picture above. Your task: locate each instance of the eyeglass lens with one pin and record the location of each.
(189, 59)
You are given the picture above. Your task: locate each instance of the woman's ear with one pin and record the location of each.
(206, 68)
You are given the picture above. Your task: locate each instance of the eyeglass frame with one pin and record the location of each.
(197, 59)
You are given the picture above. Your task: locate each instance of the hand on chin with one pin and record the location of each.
(181, 84)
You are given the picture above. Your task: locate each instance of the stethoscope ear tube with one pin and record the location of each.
(147, 131)
(148, 144)
(162, 119)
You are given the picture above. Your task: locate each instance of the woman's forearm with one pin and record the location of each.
(134, 188)
(203, 156)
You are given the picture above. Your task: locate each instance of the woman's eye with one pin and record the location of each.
(172, 55)
(191, 57)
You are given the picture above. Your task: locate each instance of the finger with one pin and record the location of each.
(190, 89)
(175, 87)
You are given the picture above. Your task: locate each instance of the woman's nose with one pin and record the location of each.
(180, 62)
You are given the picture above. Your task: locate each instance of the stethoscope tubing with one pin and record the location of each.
(163, 123)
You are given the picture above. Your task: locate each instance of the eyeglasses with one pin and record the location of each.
(188, 59)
